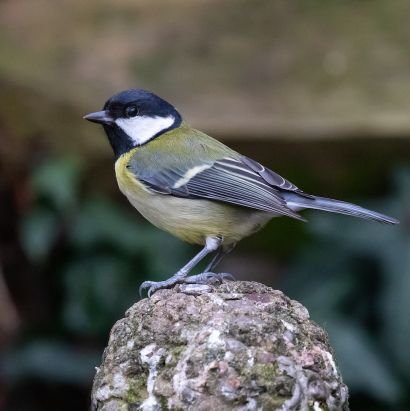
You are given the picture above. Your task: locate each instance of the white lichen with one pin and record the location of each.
(215, 340)
(229, 356)
(117, 387)
(151, 358)
(316, 406)
(130, 344)
(288, 326)
(332, 362)
(251, 357)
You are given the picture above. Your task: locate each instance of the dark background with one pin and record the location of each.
(318, 90)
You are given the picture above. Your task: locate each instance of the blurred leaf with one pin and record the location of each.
(363, 366)
(395, 303)
(57, 181)
(52, 361)
(99, 289)
(100, 221)
(321, 291)
(38, 231)
(402, 183)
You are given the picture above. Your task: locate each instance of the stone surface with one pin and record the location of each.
(241, 346)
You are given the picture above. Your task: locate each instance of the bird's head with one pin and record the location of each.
(133, 117)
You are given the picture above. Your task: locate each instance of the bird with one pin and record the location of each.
(194, 186)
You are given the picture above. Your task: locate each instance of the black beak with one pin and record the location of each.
(100, 117)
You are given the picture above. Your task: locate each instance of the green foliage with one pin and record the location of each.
(52, 361)
(97, 254)
(57, 181)
(356, 282)
(55, 186)
(38, 232)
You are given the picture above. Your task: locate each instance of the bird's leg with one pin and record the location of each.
(211, 244)
(220, 254)
(208, 275)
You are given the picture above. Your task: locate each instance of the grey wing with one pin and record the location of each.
(231, 180)
(272, 178)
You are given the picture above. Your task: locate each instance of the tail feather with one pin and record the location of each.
(297, 202)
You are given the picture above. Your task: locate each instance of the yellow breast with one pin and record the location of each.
(191, 220)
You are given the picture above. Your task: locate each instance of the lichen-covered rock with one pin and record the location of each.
(237, 346)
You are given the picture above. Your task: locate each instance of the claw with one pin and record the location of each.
(227, 276)
(144, 286)
(208, 278)
(153, 286)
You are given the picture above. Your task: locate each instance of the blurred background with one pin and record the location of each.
(317, 90)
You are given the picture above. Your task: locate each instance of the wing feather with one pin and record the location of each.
(272, 178)
(227, 180)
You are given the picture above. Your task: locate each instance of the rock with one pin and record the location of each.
(241, 346)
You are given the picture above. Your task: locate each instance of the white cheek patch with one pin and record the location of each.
(142, 128)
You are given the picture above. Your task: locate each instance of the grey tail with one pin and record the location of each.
(297, 202)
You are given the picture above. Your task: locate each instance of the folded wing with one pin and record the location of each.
(238, 181)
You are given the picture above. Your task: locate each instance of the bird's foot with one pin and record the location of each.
(152, 286)
(208, 278)
(203, 278)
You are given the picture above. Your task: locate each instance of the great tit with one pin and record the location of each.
(195, 187)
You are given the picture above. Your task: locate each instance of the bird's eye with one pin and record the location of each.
(131, 111)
